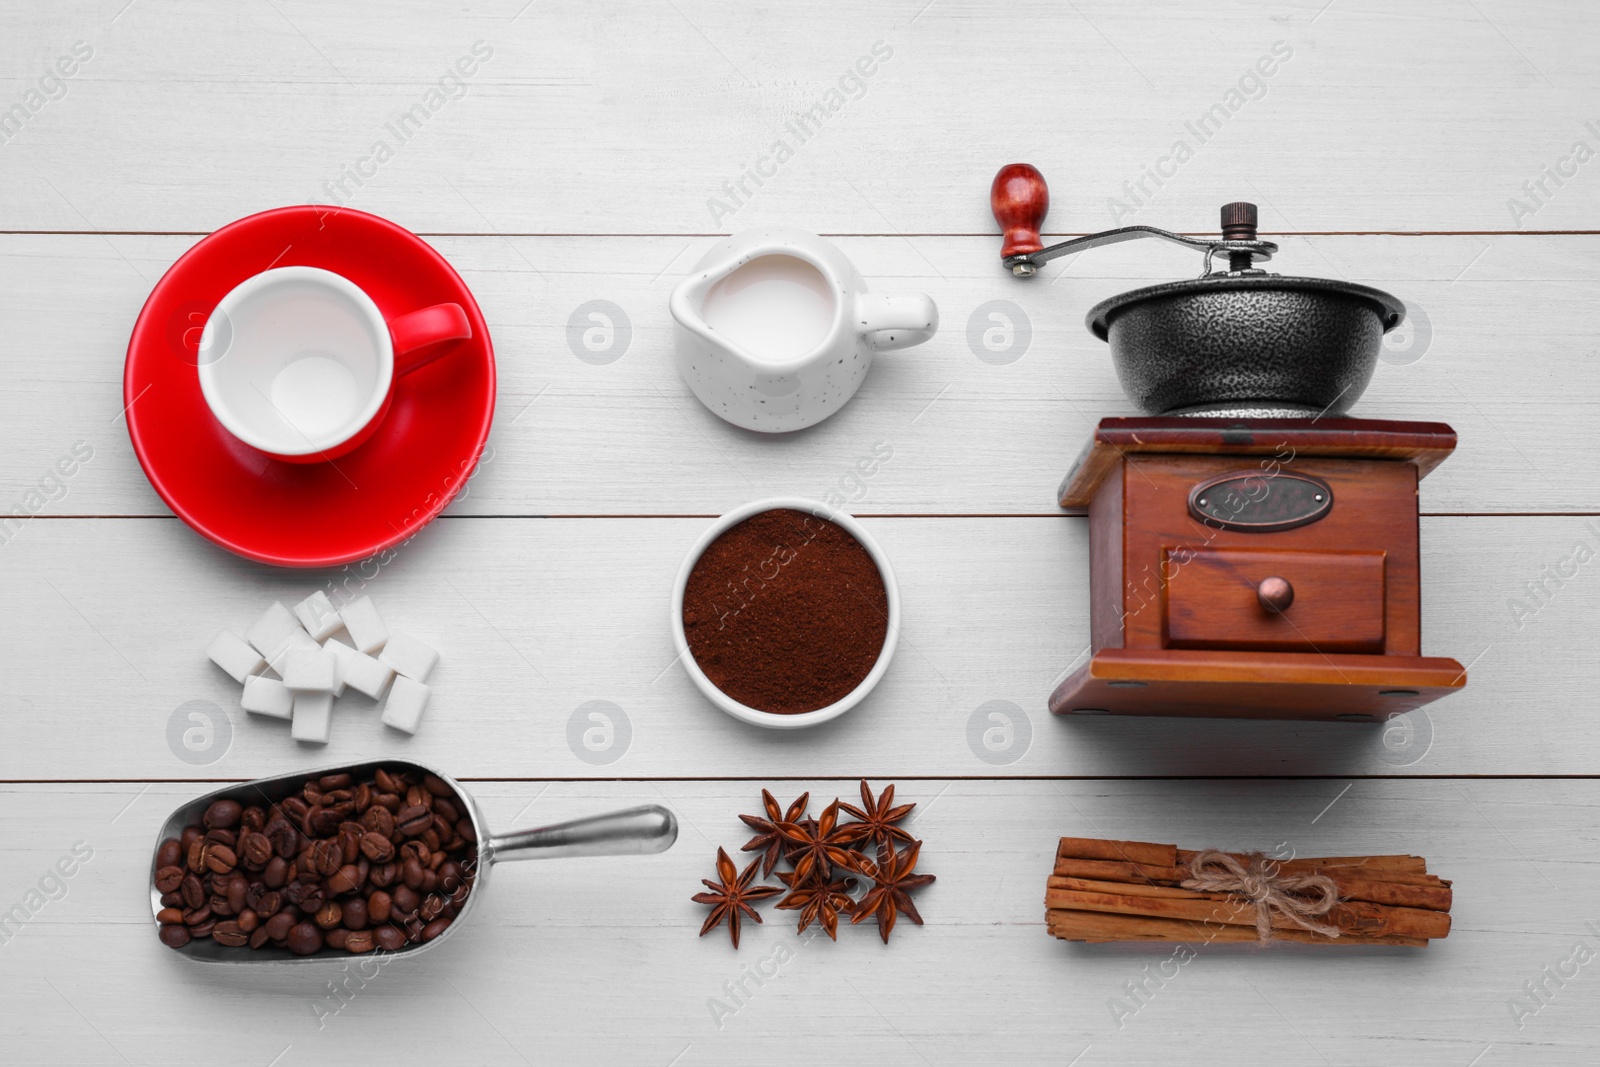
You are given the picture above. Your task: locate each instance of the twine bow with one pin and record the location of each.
(1264, 884)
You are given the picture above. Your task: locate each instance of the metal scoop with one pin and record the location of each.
(635, 831)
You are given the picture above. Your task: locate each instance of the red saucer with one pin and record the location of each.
(307, 515)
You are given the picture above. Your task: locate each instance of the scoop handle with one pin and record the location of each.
(634, 832)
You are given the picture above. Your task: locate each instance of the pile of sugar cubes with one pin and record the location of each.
(313, 667)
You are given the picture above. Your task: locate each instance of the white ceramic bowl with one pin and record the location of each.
(772, 720)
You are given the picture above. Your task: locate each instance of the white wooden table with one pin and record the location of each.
(576, 165)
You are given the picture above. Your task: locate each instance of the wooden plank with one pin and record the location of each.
(968, 436)
(107, 622)
(635, 119)
(557, 942)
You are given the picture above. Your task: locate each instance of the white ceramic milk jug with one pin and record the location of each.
(775, 328)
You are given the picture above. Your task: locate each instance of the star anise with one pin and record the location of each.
(768, 838)
(729, 898)
(876, 818)
(892, 885)
(820, 846)
(818, 902)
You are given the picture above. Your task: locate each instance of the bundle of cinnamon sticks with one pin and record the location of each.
(1132, 891)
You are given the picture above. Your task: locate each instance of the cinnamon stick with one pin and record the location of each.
(1089, 848)
(1352, 917)
(1434, 896)
(1099, 927)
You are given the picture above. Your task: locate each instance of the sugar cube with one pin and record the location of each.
(409, 657)
(271, 630)
(403, 709)
(310, 670)
(316, 613)
(234, 655)
(267, 696)
(313, 717)
(297, 640)
(358, 670)
(361, 618)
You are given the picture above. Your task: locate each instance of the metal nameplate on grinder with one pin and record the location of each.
(1253, 501)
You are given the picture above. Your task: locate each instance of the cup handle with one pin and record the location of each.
(419, 337)
(891, 322)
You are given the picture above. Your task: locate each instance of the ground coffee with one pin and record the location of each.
(785, 612)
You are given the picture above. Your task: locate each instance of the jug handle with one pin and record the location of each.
(891, 322)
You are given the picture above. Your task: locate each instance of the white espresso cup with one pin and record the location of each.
(776, 329)
(299, 363)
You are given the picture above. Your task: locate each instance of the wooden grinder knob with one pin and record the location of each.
(1020, 199)
(1275, 594)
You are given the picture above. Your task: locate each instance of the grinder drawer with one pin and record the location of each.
(1215, 599)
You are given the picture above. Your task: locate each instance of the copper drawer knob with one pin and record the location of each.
(1275, 594)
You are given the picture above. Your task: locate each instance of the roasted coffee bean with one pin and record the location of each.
(329, 915)
(229, 934)
(194, 893)
(335, 938)
(334, 781)
(466, 832)
(375, 847)
(430, 881)
(443, 807)
(386, 781)
(435, 928)
(259, 938)
(312, 792)
(238, 889)
(389, 801)
(414, 819)
(220, 859)
(195, 916)
(197, 856)
(378, 821)
(172, 900)
(253, 818)
(295, 809)
(406, 901)
(363, 797)
(432, 907)
(378, 906)
(169, 878)
(304, 939)
(190, 835)
(170, 854)
(324, 821)
(349, 842)
(385, 875)
(223, 814)
(174, 936)
(326, 857)
(169, 915)
(416, 850)
(248, 921)
(275, 873)
(219, 906)
(279, 925)
(437, 786)
(202, 929)
(285, 841)
(418, 797)
(270, 904)
(347, 880)
(388, 938)
(222, 837)
(359, 941)
(411, 873)
(355, 914)
(255, 851)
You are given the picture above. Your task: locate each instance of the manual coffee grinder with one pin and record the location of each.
(1253, 551)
